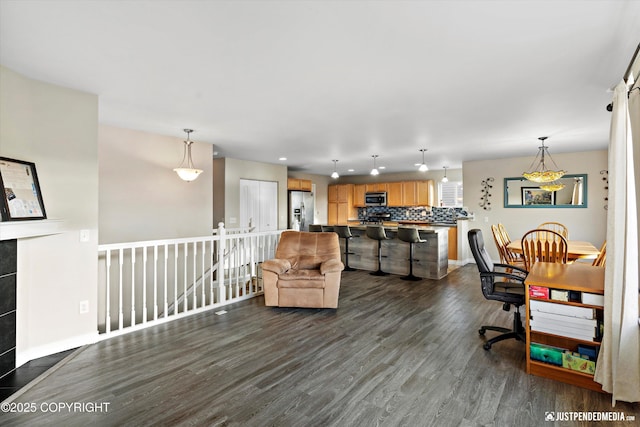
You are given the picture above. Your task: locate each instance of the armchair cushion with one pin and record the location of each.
(305, 272)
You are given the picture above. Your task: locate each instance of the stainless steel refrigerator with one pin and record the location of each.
(301, 209)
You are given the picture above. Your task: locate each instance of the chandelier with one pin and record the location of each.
(188, 171)
(540, 173)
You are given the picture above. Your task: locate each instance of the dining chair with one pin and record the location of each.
(506, 256)
(601, 260)
(513, 258)
(555, 226)
(543, 245)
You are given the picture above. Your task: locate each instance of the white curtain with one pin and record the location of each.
(618, 367)
(576, 198)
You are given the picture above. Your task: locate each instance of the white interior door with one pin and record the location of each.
(268, 206)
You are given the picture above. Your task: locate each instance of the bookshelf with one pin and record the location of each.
(580, 279)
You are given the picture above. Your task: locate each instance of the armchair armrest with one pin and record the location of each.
(278, 266)
(331, 266)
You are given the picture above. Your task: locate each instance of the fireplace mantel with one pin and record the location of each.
(21, 229)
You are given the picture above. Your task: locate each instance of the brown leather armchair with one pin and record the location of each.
(306, 271)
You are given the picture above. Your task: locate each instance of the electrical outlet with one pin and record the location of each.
(84, 236)
(84, 307)
(486, 219)
(232, 220)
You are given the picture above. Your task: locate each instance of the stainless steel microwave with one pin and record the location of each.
(375, 199)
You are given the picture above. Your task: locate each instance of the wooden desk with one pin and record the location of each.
(576, 249)
(573, 277)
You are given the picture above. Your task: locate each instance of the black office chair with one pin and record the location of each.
(500, 282)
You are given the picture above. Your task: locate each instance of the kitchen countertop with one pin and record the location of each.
(387, 227)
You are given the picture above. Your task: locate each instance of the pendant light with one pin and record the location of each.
(540, 173)
(187, 172)
(374, 171)
(423, 166)
(444, 178)
(335, 174)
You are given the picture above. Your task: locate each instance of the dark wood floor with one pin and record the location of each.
(394, 353)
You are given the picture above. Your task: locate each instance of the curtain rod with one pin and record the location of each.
(627, 73)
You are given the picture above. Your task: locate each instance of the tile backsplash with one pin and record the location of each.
(436, 214)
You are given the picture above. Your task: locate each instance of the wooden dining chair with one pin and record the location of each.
(506, 256)
(555, 226)
(601, 260)
(543, 245)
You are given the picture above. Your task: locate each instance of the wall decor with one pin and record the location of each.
(605, 178)
(485, 201)
(537, 196)
(21, 195)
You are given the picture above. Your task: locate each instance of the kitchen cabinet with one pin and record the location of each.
(584, 281)
(359, 191)
(394, 194)
(299, 184)
(340, 204)
(409, 193)
(375, 187)
(425, 193)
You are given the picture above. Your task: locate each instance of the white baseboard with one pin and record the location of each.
(23, 357)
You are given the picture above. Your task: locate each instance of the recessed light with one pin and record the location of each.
(282, 159)
(350, 170)
(382, 167)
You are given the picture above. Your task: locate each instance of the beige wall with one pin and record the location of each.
(226, 201)
(141, 197)
(56, 128)
(587, 224)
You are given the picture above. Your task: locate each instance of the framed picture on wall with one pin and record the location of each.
(536, 196)
(21, 195)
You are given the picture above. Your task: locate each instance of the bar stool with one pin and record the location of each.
(411, 236)
(327, 228)
(315, 228)
(344, 232)
(376, 232)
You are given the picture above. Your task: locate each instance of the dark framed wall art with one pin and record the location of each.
(21, 195)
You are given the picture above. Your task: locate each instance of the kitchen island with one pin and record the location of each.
(430, 258)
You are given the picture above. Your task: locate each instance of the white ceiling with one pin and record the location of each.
(322, 80)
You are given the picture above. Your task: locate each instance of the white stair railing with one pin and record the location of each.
(151, 282)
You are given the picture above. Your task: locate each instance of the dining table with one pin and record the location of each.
(576, 249)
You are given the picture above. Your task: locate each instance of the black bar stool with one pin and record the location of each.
(315, 228)
(411, 236)
(327, 228)
(376, 232)
(344, 232)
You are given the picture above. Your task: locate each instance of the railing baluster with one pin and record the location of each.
(120, 303)
(175, 279)
(145, 313)
(155, 282)
(202, 269)
(195, 290)
(185, 296)
(166, 297)
(133, 286)
(108, 293)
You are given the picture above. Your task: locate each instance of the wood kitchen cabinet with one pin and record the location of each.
(296, 184)
(359, 191)
(375, 187)
(394, 194)
(340, 204)
(425, 193)
(409, 193)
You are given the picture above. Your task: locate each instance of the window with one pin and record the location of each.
(451, 194)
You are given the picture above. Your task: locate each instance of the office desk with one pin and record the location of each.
(576, 249)
(578, 277)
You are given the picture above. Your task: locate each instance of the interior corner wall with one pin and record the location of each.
(234, 171)
(56, 128)
(141, 197)
(587, 224)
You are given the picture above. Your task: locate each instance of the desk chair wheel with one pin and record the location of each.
(487, 346)
(481, 331)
